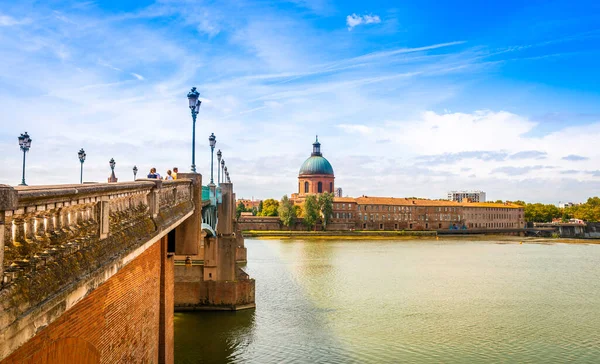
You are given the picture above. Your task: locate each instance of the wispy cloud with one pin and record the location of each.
(7, 21)
(138, 76)
(529, 154)
(356, 20)
(575, 158)
(517, 171)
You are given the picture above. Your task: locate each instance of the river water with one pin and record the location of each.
(450, 301)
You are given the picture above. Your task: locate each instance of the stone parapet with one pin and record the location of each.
(56, 237)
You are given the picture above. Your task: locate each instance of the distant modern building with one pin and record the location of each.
(338, 192)
(562, 205)
(466, 196)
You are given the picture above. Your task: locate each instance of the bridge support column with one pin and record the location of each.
(188, 235)
(219, 284)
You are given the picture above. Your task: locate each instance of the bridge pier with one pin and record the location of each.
(213, 280)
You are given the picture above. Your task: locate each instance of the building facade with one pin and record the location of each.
(464, 196)
(465, 210)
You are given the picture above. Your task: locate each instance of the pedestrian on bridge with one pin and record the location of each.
(153, 173)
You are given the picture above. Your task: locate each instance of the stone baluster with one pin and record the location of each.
(64, 219)
(40, 226)
(50, 222)
(19, 240)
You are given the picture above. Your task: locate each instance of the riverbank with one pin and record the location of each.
(283, 234)
(406, 235)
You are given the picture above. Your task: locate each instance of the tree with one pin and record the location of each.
(260, 207)
(286, 211)
(539, 212)
(269, 207)
(588, 211)
(326, 207)
(240, 208)
(298, 210)
(311, 211)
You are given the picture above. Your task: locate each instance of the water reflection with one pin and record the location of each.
(212, 337)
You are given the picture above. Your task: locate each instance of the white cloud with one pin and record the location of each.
(355, 128)
(355, 20)
(7, 21)
(138, 76)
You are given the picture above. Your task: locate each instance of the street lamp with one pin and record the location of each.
(219, 154)
(226, 174)
(222, 171)
(194, 104)
(25, 144)
(135, 169)
(81, 155)
(112, 164)
(212, 140)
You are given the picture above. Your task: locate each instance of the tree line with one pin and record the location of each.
(320, 208)
(539, 212)
(313, 210)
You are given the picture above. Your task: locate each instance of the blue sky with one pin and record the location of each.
(408, 98)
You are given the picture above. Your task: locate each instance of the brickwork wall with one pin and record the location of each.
(119, 320)
(327, 181)
(167, 306)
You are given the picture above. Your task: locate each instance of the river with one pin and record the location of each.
(379, 301)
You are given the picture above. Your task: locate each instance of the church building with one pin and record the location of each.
(316, 174)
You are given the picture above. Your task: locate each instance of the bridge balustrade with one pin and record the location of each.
(42, 224)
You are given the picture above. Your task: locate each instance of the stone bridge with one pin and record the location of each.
(93, 272)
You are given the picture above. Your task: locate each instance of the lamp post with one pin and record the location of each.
(194, 104)
(212, 140)
(135, 169)
(219, 154)
(25, 144)
(226, 174)
(222, 167)
(112, 164)
(81, 156)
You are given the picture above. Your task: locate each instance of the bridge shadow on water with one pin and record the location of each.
(212, 337)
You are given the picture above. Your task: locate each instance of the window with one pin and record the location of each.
(330, 186)
(410, 226)
(305, 187)
(320, 187)
(381, 226)
(299, 190)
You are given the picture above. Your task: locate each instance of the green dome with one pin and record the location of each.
(316, 164)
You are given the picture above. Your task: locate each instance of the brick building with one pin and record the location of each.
(249, 204)
(390, 213)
